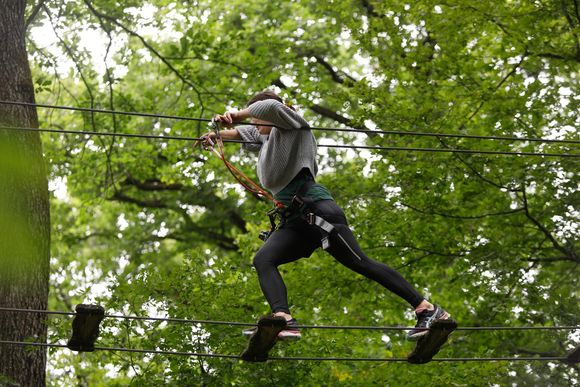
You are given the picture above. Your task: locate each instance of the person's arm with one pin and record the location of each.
(229, 118)
(277, 113)
(228, 134)
(246, 133)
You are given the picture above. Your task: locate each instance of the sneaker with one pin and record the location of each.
(290, 332)
(424, 321)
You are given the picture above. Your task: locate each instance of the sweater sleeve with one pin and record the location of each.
(277, 113)
(251, 134)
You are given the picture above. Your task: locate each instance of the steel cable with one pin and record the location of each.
(339, 146)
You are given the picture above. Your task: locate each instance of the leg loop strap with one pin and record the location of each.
(325, 227)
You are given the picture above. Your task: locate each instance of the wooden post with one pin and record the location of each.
(85, 327)
(430, 344)
(264, 338)
(574, 355)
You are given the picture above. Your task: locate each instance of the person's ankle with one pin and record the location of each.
(287, 316)
(424, 305)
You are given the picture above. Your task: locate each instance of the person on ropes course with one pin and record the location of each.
(309, 217)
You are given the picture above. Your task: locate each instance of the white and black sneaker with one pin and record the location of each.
(424, 321)
(290, 331)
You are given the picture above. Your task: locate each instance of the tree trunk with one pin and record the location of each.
(24, 211)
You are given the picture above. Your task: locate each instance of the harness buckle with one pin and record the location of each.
(325, 242)
(297, 202)
(264, 235)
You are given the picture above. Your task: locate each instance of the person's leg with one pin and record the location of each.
(283, 246)
(345, 249)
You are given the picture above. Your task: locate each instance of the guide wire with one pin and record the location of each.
(235, 323)
(303, 358)
(353, 130)
(338, 146)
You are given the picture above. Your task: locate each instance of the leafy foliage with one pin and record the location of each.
(157, 227)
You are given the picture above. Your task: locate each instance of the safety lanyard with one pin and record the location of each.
(240, 177)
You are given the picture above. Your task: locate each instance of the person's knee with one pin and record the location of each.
(343, 235)
(345, 248)
(261, 261)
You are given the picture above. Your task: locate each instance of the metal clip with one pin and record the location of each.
(325, 243)
(216, 127)
(264, 235)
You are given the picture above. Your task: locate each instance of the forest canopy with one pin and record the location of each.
(156, 227)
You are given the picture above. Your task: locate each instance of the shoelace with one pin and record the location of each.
(430, 316)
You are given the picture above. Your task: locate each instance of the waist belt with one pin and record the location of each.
(300, 203)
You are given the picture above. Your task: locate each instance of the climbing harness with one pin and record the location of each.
(302, 204)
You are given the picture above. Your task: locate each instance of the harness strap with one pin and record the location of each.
(300, 198)
(325, 227)
(299, 201)
(320, 222)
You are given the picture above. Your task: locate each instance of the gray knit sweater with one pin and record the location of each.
(288, 148)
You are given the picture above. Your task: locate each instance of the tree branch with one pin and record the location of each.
(463, 217)
(556, 56)
(370, 9)
(550, 259)
(424, 250)
(149, 47)
(476, 172)
(199, 57)
(497, 87)
(573, 28)
(73, 57)
(336, 77)
(110, 176)
(571, 254)
(222, 240)
(81, 238)
(34, 13)
(413, 261)
(491, 19)
(524, 351)
(121, 197)
(323, 111)
(156, 185)
(152, 184)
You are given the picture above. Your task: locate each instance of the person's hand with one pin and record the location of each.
(226, 120)
(206, 141)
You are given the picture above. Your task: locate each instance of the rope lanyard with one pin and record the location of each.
(240, 177)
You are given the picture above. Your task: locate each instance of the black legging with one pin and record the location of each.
(299, 239)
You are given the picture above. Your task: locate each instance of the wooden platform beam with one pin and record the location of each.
(430, 344)
(573, 356)
(85, 327)
(264, 338)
